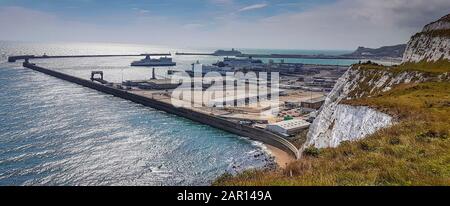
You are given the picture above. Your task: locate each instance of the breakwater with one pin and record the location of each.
(295, 56)
(275, 56)
(217, 122)
(25, 57)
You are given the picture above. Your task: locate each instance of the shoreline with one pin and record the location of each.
(282, 159)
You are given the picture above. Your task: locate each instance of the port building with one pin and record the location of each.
(288, 127)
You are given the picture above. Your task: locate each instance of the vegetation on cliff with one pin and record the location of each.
(415, 151)
(426, 67)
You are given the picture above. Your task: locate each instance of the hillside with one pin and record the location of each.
(395, 51)
(380, 125)
(432, 44)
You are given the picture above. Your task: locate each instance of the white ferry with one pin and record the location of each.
(161, 62)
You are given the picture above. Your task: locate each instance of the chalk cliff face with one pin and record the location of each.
(338, 122)
(432, 44)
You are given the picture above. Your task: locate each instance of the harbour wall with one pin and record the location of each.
(217, 122)
(27, 57)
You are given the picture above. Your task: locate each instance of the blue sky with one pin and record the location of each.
(296, 24)
(182, 10)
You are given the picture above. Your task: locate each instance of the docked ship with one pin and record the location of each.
(238, 63)
(161, 62)
(209, 68)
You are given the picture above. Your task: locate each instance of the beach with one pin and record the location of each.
(281, 157)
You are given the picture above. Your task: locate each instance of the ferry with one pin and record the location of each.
(240, 62)
(161, 62)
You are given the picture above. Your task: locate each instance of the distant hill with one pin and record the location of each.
(395, 51)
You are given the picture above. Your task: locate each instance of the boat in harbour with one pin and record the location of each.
(160, 62)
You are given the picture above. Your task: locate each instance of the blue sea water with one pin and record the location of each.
(54, 132)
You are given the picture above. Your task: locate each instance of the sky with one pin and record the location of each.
(282, 24)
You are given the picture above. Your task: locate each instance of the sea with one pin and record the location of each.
(53, 132)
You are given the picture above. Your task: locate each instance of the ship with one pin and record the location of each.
(205, 69)
(231, 52)
(239, 62)
(161, 62)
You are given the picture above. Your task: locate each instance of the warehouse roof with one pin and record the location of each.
(292, 124)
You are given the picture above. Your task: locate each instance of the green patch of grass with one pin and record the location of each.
(311, 151)
(439, 66)
(430, 100)
(373, 72)
(429, 67)
(370, 66)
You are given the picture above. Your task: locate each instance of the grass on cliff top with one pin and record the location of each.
(432, 67)
(416, 151)
(411, 101)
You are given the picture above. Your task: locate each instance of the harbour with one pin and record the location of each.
(224, 93)
(150, 83)
(240, 121)
(54, 132)
(243, 130)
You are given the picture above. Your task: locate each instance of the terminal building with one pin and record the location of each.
(288, 127)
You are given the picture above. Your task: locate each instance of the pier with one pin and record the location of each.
(294, 56)
(25, 57)
(213, 121)
(273, 56)
(194, 54)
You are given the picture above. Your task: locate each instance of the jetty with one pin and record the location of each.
(272, 56)
(98, 84)
(25, 57)
(194, 54)
(295, 56)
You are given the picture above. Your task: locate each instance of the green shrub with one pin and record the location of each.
(311, 151)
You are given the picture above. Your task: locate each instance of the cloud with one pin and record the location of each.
(344, 24)
(253, 7)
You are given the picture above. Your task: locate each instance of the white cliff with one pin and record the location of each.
(349, 123)
(338, 122)
(331, 125)
(432, 44)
